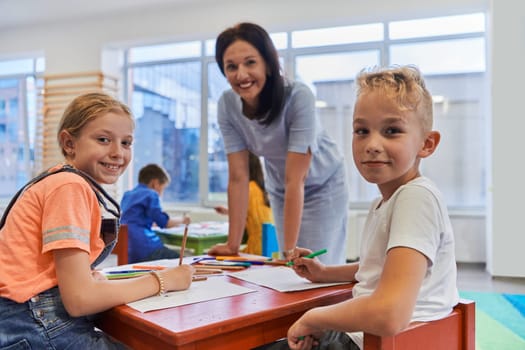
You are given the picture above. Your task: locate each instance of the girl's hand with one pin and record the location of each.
(177, 278)
(222, 249)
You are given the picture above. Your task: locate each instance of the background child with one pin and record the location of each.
(259, 211)
(407, 267)
(51, 238)
(141, 209)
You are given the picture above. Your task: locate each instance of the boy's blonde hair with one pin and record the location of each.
(402, 84)
(84, 109)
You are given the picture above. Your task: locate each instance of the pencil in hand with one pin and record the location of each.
(310, 256)
(183, 245)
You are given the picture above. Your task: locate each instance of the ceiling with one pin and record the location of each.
(15, 13)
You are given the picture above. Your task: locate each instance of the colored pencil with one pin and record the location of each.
(183, 245)
(128, 271)
(149, 267)
(199, 278)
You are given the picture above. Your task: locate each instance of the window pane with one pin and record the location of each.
(472, 23)
(166, 102)
(217, 162)
(165, 52)
(13, 67)
(280, 40)
(209, 46)
(338, 35)
(331, 77)
(13, 137)
(442, 57)
(336, 66)
(458, 166)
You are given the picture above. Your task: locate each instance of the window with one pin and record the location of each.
(175, 89)
(166, 102)
(18, 109)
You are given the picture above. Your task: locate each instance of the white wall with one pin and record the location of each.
(506, 229)
(77, 45)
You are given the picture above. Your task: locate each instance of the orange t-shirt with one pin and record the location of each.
(61, 211)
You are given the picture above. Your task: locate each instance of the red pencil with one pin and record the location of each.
(183, 244)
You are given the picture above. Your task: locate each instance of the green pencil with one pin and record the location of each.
(310, 256)
(116, 276)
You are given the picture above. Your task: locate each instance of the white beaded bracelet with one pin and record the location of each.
(159, 278)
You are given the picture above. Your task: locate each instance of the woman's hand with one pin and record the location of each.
(222, 249)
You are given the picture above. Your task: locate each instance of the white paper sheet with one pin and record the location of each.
(280, 278)
(210, 289)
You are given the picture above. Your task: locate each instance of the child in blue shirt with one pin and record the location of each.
(141, 209)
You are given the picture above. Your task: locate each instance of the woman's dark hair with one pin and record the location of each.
(257, 175)
(271, 99)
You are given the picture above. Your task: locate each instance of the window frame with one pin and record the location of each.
(289, 55)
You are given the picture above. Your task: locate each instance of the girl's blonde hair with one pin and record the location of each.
(402, 84)
(87, 107)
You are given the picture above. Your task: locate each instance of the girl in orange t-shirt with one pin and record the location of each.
(50, 238)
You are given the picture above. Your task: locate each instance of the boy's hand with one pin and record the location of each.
(221, 210)
(186, 220)
(311, 269)
(302, 337)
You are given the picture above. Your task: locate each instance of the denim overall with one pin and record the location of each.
(42, 322)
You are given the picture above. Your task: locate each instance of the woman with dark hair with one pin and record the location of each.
(268, 115)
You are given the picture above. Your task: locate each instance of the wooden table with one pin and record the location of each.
(239, 322)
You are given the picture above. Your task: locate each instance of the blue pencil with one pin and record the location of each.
(127, 271)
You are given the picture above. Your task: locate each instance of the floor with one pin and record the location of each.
(471, 277)
(474, 278)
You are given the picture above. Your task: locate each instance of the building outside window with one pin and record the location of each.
(18, 116)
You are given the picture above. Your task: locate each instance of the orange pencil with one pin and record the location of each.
(149, 267)
(183, 244)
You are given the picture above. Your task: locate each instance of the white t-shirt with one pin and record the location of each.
(415, 216)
